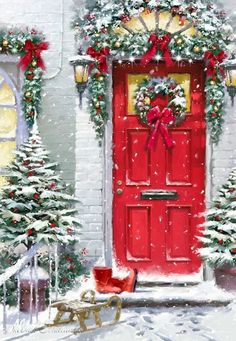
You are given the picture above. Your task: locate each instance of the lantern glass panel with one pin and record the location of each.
(81, 73)
(230, 78)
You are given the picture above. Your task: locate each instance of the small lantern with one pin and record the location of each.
(81, 72)
(230, 80)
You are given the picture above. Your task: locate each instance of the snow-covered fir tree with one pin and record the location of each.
(35, 204)
(219, 239)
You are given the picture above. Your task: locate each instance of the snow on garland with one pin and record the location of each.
(98, 25)
(28, 44)
(148, 101)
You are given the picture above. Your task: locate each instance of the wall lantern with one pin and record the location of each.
(230, 80)
(81, 64)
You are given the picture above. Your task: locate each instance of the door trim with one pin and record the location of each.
(207, 273)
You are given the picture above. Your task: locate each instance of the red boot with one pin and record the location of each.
(126, 284)
(102, 276)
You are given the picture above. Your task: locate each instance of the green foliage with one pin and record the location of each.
(219, 236)
(35, 205)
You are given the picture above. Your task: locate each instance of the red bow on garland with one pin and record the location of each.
(33, 51)
(160, 119)
(158, 44)
(101, 57)
(213, 61)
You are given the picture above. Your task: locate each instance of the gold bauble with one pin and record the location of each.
(179, 41)
(212, 82)
(117, 44)
(34, 63)
(97, 105)
(216, 109)
(196, 49)
(5, 43)
(147, 100)
(101, 78)
(27, 94)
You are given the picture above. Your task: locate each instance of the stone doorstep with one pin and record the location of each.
(172, 296)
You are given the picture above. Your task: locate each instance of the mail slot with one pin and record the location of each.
(159, 194)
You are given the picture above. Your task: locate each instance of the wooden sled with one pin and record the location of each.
(81, 310)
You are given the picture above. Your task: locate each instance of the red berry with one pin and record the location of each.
(65, 279)
(53, 225)
(30, 77)
(14, 222)
(25, 163)
(69, 259)
(30, 232)
(220, 242)
(53, 185)
(11, 195)
(218, 218)
(30, 114)
(214, 115)
(30, 173)
(233, 250)
(69, 231)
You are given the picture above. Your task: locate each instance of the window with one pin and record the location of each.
(12, 126)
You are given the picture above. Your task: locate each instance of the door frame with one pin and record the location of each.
(107, 193)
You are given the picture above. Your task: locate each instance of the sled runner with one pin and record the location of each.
(81, 310)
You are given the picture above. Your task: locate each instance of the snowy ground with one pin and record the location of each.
(163, 324)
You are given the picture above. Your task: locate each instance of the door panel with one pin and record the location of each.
(157, 233)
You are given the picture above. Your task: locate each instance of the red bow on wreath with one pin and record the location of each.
(159, 119)
(213, 61)
(101, 57)
(33, 51)
(158, 44)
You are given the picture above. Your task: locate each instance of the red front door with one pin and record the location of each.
(153, 231)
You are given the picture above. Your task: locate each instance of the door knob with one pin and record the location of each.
(119, 191)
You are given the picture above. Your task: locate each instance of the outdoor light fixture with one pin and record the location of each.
(230, 80)
(81, 72)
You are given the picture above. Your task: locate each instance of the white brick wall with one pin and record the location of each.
(66, 129)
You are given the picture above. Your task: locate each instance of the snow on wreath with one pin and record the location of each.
(160, 102)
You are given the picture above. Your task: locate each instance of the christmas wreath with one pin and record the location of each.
(160, 102)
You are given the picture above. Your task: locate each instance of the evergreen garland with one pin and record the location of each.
(13, 42)
(98, 25)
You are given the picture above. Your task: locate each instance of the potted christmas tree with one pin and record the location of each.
(219, 236)
(35, 207)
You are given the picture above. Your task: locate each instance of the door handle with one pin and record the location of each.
(119, 191)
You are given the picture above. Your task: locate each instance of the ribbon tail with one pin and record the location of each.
(168, 59)
(25, 61)
(166, 136)
(153, 137)
(147, 57)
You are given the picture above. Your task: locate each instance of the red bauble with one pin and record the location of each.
(214, 115)
(36, 196)
(233, 250)
(100, 98)
(218, 218)
(30, 232)
(99, 110)
(14, 222)
(30, 77)
(69, 259)
(220, 242)
(52, 225)
(30, 173)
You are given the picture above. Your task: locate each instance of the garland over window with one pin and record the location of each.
(164, 30)
(28, 44)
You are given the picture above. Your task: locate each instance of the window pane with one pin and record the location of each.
(7, 95)
(133, 81)
(7, 122)
(3, 181)
(184, 80)
(6, 152)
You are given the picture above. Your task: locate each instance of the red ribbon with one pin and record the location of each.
(160, 119)
(33, 51)
(158, 44)
(101, 57)
(213, 61)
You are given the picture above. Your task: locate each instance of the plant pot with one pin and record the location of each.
(226, 277)
(42, 282)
